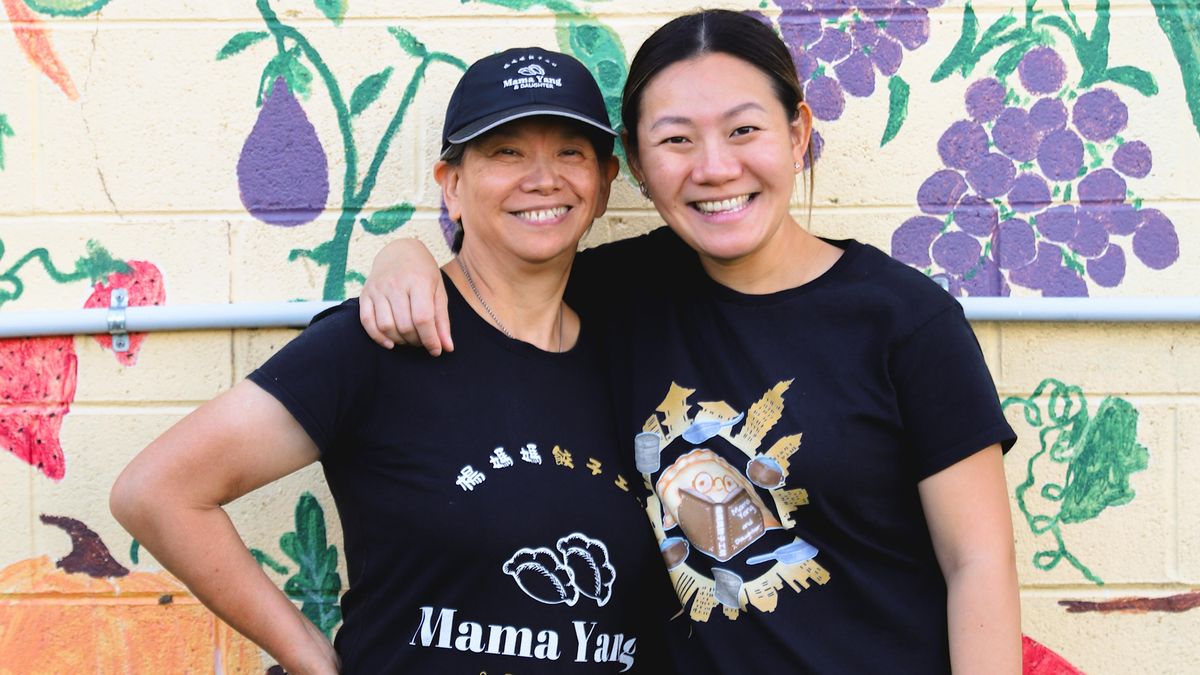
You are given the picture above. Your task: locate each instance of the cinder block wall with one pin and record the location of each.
(132, 153)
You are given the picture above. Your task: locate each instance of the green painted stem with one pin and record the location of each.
(410, 93)
(333, 253)
(341, 109)
(336, 249)
(43, 256)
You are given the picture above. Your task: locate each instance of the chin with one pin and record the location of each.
(724, 246)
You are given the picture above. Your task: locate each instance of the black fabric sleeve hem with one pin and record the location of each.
(1000, 433)
(294, 407)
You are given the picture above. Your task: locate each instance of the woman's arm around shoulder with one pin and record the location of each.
(170, 498)
(404, 299)
(966, 506)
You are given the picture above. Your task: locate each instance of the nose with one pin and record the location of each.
(716, 164)
(543, 176)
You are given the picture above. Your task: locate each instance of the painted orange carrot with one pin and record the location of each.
(35, 41)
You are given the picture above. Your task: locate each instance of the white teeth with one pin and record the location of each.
(542, 214)
(724, 205)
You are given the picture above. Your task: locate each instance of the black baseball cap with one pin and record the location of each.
(522, 82)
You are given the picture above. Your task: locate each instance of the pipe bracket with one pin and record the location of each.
(117, 304)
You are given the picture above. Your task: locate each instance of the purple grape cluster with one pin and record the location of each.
(1034, 191)
(839, 45)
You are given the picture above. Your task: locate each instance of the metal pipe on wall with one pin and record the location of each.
(161, 318)
(298, 314)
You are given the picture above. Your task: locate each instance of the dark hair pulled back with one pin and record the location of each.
(710, 31)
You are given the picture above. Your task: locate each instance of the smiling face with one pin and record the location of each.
(718, 154)
(529, 189)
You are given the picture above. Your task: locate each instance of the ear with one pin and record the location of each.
(801, 133)
(608, 173)
(447, 175)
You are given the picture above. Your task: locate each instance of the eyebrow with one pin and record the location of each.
(679, 119)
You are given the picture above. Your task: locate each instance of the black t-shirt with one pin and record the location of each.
(490, 523)
(785, 435)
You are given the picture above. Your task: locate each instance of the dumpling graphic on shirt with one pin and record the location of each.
(587, 559)
(715, 505)
(580, 567)
(542, 576)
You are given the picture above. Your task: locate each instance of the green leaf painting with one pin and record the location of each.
(368, 90)
(288, 65)
(409, 42)
(334, 10)
(1098, 477)
(1180, 22)
(389, 219)
(1082, 467)
(897, 108)
(316, 583)
(599, 48)
(962, 56)
(238, 43)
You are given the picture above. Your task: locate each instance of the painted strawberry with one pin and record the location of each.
(145, 285)
(1040, 660)
(37, 386)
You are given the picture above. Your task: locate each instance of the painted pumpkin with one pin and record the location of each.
(86, 613)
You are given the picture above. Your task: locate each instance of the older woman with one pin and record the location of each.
(490, 525)
(821, 432)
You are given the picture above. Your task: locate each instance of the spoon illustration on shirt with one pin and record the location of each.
(789, 554)
(700, 432)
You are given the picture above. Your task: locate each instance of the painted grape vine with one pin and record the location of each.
(1038, 183)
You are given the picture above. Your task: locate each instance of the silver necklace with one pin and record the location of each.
(495, 319)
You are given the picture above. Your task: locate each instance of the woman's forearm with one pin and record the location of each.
(983, 608)
(170, 497)
(201, 547)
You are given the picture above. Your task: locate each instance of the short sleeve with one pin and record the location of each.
(323, 374)
(946, 396)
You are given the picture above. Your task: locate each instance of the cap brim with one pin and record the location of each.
(482, 126)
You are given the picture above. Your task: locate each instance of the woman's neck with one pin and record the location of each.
(792, 257)
(522, 300)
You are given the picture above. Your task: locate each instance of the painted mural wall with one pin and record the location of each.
(244, 150)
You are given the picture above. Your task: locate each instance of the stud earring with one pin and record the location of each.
(642, 188)
(796, 166)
